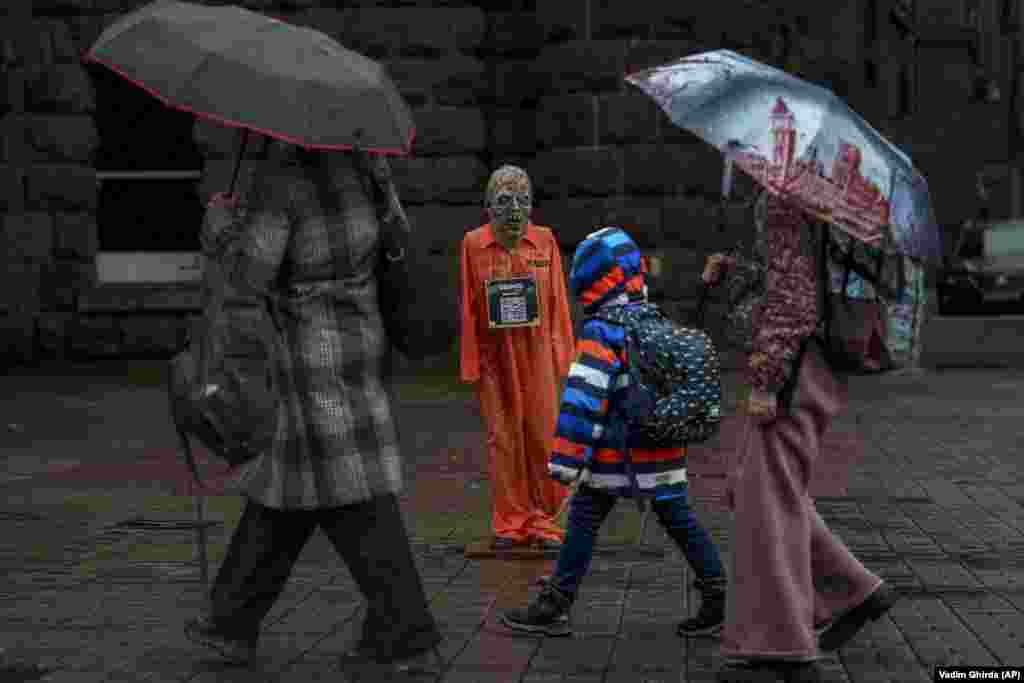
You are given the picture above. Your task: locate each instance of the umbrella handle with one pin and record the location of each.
(702, 305)
(244, 135)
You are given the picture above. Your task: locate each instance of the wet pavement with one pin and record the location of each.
(922, 480)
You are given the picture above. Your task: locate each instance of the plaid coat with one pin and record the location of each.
(336, 442)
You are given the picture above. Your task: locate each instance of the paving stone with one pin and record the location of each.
(98, 676)
(586, 655)
(936, 634)
(497, 652)
(961, 620)
(865, 661)
(657, 649)
(940, 575)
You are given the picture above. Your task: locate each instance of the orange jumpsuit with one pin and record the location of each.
(516, 372)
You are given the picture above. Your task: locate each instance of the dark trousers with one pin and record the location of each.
(372, 541)
(587, 512)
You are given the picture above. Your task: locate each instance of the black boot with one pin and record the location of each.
(709, 618)
(770, 671)
(548, 614)
(844, 628)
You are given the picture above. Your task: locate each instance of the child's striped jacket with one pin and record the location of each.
(607, 271)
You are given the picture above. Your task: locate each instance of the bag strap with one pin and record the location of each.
(629, 327)
(395, 229)
(208, 339)
(702, 304)
(825, 284)
(879, 263)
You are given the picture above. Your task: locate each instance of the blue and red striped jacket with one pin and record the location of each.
(607, 271)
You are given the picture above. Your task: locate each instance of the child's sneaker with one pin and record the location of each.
(711, 615)
(548, 615)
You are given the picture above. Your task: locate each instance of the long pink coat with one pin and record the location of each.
(780, 543)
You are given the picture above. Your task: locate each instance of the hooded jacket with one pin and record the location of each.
(607, 271)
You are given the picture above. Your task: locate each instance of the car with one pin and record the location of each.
(985, 275)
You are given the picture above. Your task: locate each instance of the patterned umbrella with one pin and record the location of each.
(803, 142)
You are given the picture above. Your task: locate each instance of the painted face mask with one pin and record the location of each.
(509, 201)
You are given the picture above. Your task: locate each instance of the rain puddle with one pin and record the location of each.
(21, 516)
(143, 524)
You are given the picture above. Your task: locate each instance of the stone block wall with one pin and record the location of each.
(538, 84)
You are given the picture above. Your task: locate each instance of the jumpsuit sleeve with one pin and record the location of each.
(789, 308)
(250, 245)
(562, 334)
(583, 416)
(469, 345)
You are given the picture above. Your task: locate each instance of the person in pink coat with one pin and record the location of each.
(780, 545)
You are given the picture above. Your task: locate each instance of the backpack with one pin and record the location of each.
(675, 391)
(222, 394)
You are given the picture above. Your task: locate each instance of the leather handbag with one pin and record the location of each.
(855, 329)
(420, 318)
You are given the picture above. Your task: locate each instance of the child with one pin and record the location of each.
(607, 271)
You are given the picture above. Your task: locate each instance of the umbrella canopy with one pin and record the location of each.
(246, 70)
(803, 142)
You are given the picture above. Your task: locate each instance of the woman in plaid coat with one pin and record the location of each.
(335, 461)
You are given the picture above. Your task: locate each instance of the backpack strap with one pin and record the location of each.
(623, 437)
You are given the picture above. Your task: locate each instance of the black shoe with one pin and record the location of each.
(711, 615)
(844, 628)
(770, 671)
(425, 666)
(202, 631)
(809, 672)
(547, 615)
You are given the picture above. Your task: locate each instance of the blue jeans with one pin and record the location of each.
(587, 512)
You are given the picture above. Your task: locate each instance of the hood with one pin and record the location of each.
(607, 269)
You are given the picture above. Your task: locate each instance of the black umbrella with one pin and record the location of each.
(252, 72)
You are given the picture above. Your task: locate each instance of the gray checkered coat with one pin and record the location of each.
(336, 442)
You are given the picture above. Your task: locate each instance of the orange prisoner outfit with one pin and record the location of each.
(516, 372)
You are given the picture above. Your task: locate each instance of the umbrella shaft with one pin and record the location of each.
(244, 134)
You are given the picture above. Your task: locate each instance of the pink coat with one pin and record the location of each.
(788, 312)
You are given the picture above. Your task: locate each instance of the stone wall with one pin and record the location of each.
(533, 83)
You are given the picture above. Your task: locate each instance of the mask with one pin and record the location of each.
(512, 207)
(509, 201)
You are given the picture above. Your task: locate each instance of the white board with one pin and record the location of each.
(135, 267)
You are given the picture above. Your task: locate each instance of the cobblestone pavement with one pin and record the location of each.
(922, 481)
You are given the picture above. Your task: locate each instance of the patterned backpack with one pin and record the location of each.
(675, 391)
